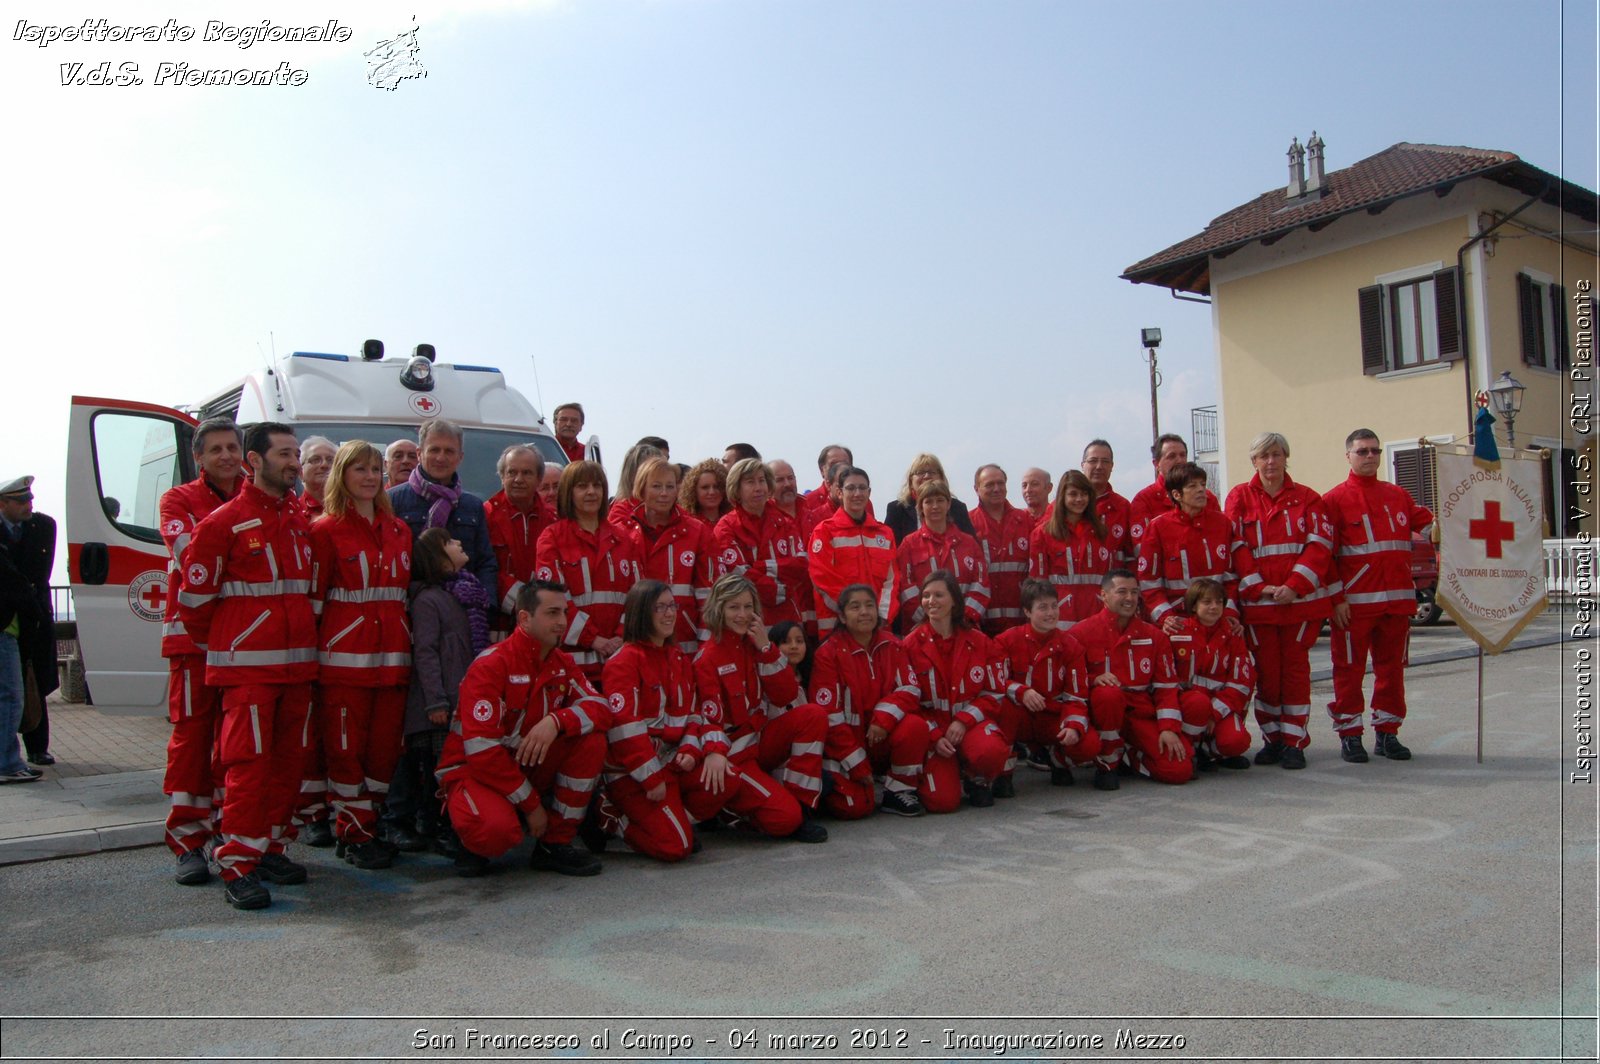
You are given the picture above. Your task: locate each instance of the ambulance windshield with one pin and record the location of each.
(482, 447)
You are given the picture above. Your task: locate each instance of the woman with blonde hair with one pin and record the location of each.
(761, 542)
(673, 547)
(901, 513)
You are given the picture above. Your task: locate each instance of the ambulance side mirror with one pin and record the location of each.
(94, 563)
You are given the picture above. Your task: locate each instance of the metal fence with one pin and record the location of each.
(1569, 567)
(1203, 430)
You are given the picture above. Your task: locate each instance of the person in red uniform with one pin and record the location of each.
(361, 572)
(193, 706)
(1372, 526)
(1071, 550)
(862, 677)
(526, 745)
(1215, 678)
(937, 544)
(1036, 484)
(761, 542)
(1114, 510)
(1133, 688)
(1002, 531)
(674, 548)
(821, 501)
(1168, 453)
(851, 547)
(748, 689)
(787, 499)
(316, 462)
(626, 501)
(311, 817)
(961, 675)
(247, 579)
(704, 492)
(516, 515)
(1284, 527)
(1048, 687)
(567, 421)
(595, 560)
(1182, 545)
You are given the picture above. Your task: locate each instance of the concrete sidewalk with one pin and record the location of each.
(104, 792)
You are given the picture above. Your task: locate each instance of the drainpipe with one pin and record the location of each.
(1461, 301)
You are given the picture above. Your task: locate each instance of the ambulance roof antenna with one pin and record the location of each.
(273, 340)
(538, 391)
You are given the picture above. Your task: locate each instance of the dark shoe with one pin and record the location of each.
(980, 794)
(592, 832)
(42, 759)
(565, 858)
(1039, 758)
(1293, 757)
(470, 865)
(1351, 750)
(192, 870)
(277, 868)
(22, 775)
(1236, 762)
(404, 840)
(1269, 754)
(1061, 776)
(1105, 779)
(809, 831)
(1387, 744)
(318, 833)
(369, 854)
(1204, 762)
(696, 847)
(902, 803)
(1125, 768)
(1004, 787)
(246, 892)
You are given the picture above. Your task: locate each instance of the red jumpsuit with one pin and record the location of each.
(755, 698)
(961, 678)
(1116, 514)
(597, 568)
(1290, 541)
(1053, 665)
(844, 553)
(1177, 550)
(1372, 525)
(509, 690)
(193, 706)
(247, 581)
(924, 551)
(1144, 700)
(861, 687)
(1150, 502)
(653, 719)
(681, 555)
(1215, 678)
(1075, 567)
(770, 552)
(361, 571)
(1005, 552)
(514, 536)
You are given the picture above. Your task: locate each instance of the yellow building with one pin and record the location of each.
(1385, 296)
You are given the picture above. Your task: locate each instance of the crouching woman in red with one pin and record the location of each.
(962, 677)
(526, 747)
(1215, 679)
(749, 692)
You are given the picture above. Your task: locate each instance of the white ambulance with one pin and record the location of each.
(122, 455)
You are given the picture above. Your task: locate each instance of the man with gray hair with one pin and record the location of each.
(316, 462)
(433, 497)
(517, 514)
(399, 459)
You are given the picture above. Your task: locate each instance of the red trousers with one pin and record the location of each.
(791, 750)
(262, 746)
(1220, 730)
(662, 829)
(489, 825)
(983, 752)
(1283, 679)
(361, 742)
(1019, 724)
(747, 792)
(1388, 638)
(193, 779)
(899, 758)
(1108, 711)
(1143, 735)
(312, 802)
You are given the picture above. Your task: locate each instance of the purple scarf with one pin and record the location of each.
(442, 498)
(471, 594)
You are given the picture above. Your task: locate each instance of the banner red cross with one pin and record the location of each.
(1491, 530)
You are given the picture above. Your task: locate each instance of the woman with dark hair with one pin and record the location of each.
(938, 545)
(596, 562)
(1182, 545)
(901, 514)
(704, 492)
(862, 677)
(1070, 550)
(1048, 687)
(961, 675)
(761, 542)
(673, 547)
(849, 546)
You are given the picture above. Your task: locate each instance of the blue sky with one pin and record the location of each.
(896, 224)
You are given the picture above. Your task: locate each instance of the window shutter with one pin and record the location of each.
(1448, 321)
(1370, 301)
(1528, 314)
(1413, 470)
(1558, 314)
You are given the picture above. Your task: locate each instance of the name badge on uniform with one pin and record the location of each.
(723, 670)
(1141, 642)
(524, 678)
(254, 522)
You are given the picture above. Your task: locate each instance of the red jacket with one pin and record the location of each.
(360, 575)
(1177, 550)
(1139, 656)
(654, 712)
(961, 678)
(598, 568)
(182, 508)
(1116, 513)
(770, 552)
(1290, 541)
(861, 686)
(507, 691)
(1150, 502)
(740, 691)
(1216, 660)
(922, 552)
(575, 452)
(1372, 525)
(682, 555)
(844, 553)
(1005, 552)
(514, 537)
(246, 596)
(1074, 566)
(1053, 665)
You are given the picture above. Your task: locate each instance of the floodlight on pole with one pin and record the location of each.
(1150, 339)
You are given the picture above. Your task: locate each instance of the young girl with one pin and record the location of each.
(1215, 678)
(795, 648)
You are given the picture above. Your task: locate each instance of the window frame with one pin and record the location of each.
(1378, 309)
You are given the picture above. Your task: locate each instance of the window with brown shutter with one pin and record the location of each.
(1447, 303)
(1370, 301)
(1542, 315)
(1413, 470)
(1415, 322)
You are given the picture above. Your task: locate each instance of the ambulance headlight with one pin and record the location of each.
(418, 375)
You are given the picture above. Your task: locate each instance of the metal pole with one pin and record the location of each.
(1480, 705)
(1155, 415)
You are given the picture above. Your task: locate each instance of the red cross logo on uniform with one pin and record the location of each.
(1492, 530)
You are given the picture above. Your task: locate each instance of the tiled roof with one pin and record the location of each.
(1394, 173)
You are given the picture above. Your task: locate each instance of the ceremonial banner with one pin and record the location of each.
(1491, 558)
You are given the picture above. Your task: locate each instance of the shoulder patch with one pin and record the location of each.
(196, 574)
(825, 696)
(976, 674)
(482, 710)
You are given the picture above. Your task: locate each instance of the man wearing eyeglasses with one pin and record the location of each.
(1374, 600)
(29, 539)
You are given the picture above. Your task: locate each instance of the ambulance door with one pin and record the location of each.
(121, 457)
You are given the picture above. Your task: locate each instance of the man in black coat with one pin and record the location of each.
(30, 540)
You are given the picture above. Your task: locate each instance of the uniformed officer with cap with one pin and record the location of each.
(29, 540)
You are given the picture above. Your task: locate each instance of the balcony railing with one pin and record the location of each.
(1203, 430)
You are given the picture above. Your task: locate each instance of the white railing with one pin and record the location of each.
(1565, 561)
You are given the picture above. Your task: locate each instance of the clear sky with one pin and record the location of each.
(895, 224)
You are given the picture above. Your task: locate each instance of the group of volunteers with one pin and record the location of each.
(372, 657)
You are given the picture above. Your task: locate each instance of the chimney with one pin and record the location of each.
(1316, 182)
(1297, 169)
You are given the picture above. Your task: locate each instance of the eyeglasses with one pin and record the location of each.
(666, 607)
(1367, 452)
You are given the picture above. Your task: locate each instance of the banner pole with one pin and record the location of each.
(1480, 705)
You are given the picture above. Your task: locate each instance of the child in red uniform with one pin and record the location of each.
(1215, 679)
(1048, 703)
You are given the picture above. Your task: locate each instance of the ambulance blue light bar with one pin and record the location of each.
(476, 369)
(319, 354)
